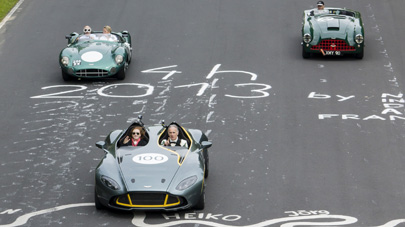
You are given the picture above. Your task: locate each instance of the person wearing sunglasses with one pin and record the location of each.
(135, 138)
(86, 34)
(173, 139)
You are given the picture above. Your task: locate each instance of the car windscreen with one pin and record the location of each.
(331, 12)
(99, 37)
(182, 151)
(341, 12)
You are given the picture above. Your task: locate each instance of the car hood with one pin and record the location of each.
(95, 54)
(335, 27)
(146, 169)
(99, 46)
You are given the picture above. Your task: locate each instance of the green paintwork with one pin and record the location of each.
(336, 23)
(132, 177)
(108, 49)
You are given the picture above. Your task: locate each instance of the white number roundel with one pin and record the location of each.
(150, 158)
(92, 56)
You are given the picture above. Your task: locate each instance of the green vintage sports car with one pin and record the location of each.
(152, 177)
(96, 55)
(332, 31)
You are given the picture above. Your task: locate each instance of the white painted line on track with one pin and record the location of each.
(10, 14)
(24, 218)
(313, 220)
(139, 219)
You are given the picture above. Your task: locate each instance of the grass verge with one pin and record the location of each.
(5, 7)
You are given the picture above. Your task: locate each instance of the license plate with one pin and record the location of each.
(332, 52)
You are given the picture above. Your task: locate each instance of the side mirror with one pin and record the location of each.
(206, 144)
(70, 36)
(124, 33)
(100, 144)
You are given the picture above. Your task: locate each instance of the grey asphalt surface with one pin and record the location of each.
(273, 157)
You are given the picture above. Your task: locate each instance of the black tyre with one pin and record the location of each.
(130, 58)
(65, 76)
(97, 202)
(206, 164)
(201, 203)
(360, 55)
(206, 173)
(305, 54)
(121, 74)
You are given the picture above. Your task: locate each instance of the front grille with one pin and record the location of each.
(91, 72)
(135, 199)
(333, 45)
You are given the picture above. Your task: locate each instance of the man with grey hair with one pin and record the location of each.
(173, 139)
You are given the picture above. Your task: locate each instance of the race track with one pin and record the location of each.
(296, 142)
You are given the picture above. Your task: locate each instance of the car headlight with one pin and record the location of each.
(186, 183)
(110, 183)
(359, 39)
(65, 61)
(119, 59)
(307, 38)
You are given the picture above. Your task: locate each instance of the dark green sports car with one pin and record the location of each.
(152, 176)
(96, 55)
(332, 31)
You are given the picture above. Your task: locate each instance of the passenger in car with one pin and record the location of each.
(173, 139)
(136, 137)
(107, 34)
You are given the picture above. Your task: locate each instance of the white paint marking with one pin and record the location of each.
(216, 67)
(169, 73)
(161, 107)
(56, 94)
(204, 86)
(211, 101)
(10, 211)
(213, 84)
(343, 98)
(392, 223)
(139, 219)
(209, 116)
(149, 90)
(208, 132)
(10, 14)
(261, 91)
(24, 218)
